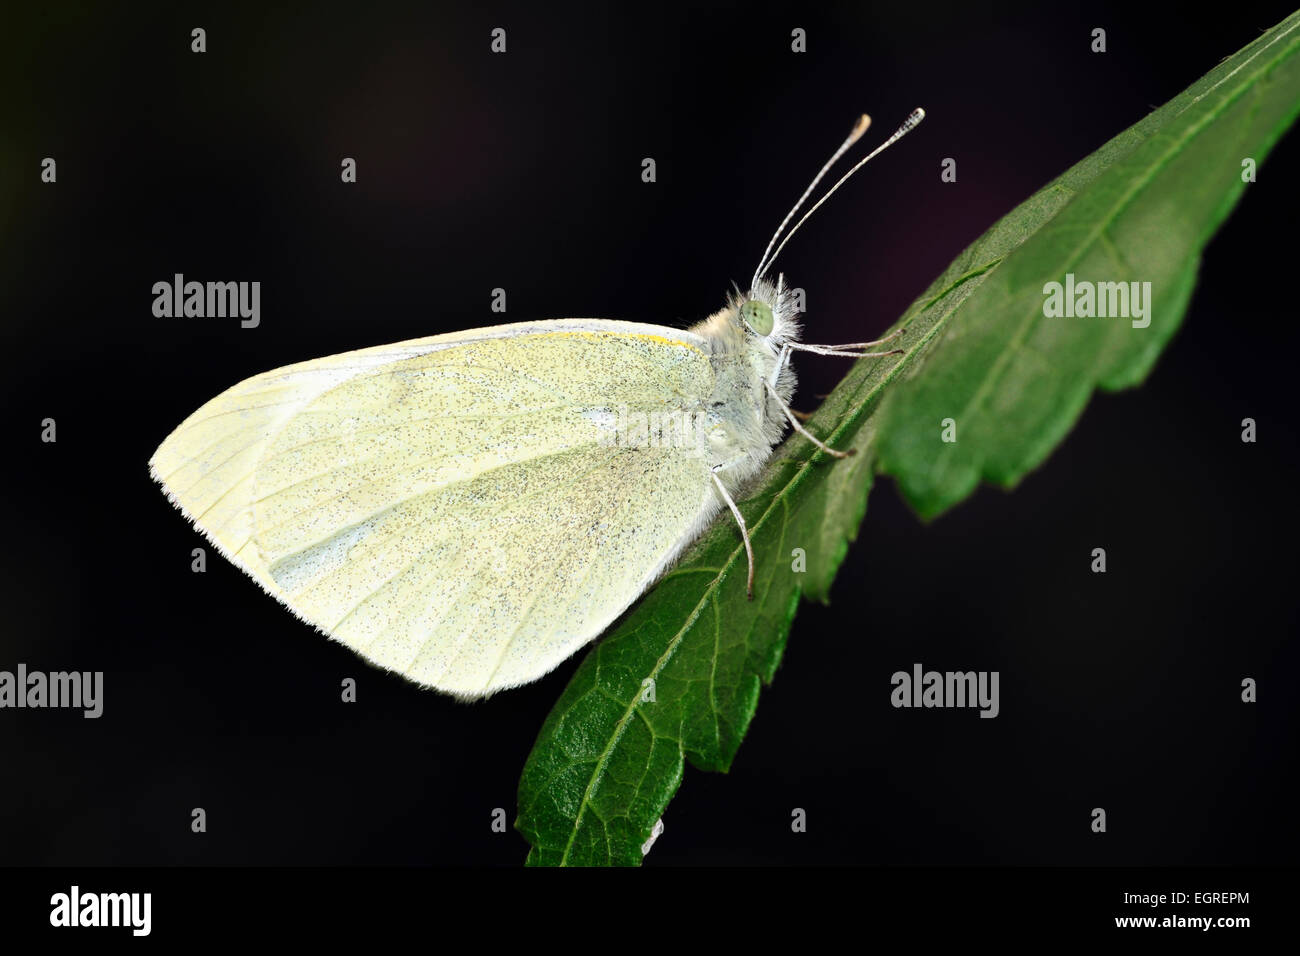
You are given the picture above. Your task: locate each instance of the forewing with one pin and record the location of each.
(446, 506)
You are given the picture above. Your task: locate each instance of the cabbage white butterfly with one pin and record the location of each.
(470, 509)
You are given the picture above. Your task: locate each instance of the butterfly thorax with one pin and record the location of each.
(745, 418)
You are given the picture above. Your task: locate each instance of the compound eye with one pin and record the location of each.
(757, 316)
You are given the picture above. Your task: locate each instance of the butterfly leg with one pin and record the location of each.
(798, 426)
(850, 350)
(740, 520)
(847, 351)
(866, 345)
(853, 349)
(782, 358)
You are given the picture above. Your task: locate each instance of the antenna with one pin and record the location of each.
(855, 134)
(913, 120)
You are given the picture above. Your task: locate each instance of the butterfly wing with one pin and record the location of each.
(452, 507)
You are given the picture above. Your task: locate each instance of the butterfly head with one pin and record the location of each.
(768, 311)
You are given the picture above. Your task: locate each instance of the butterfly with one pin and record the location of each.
(470, 509)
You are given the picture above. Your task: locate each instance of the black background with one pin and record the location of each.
(523, 171)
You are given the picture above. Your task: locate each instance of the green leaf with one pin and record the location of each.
(979, 350)
(1141, 208)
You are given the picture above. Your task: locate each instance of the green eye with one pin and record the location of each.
(757, 316)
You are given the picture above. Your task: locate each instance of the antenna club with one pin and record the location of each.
(860, 127)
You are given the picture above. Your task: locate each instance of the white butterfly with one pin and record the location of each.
(470, 509)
